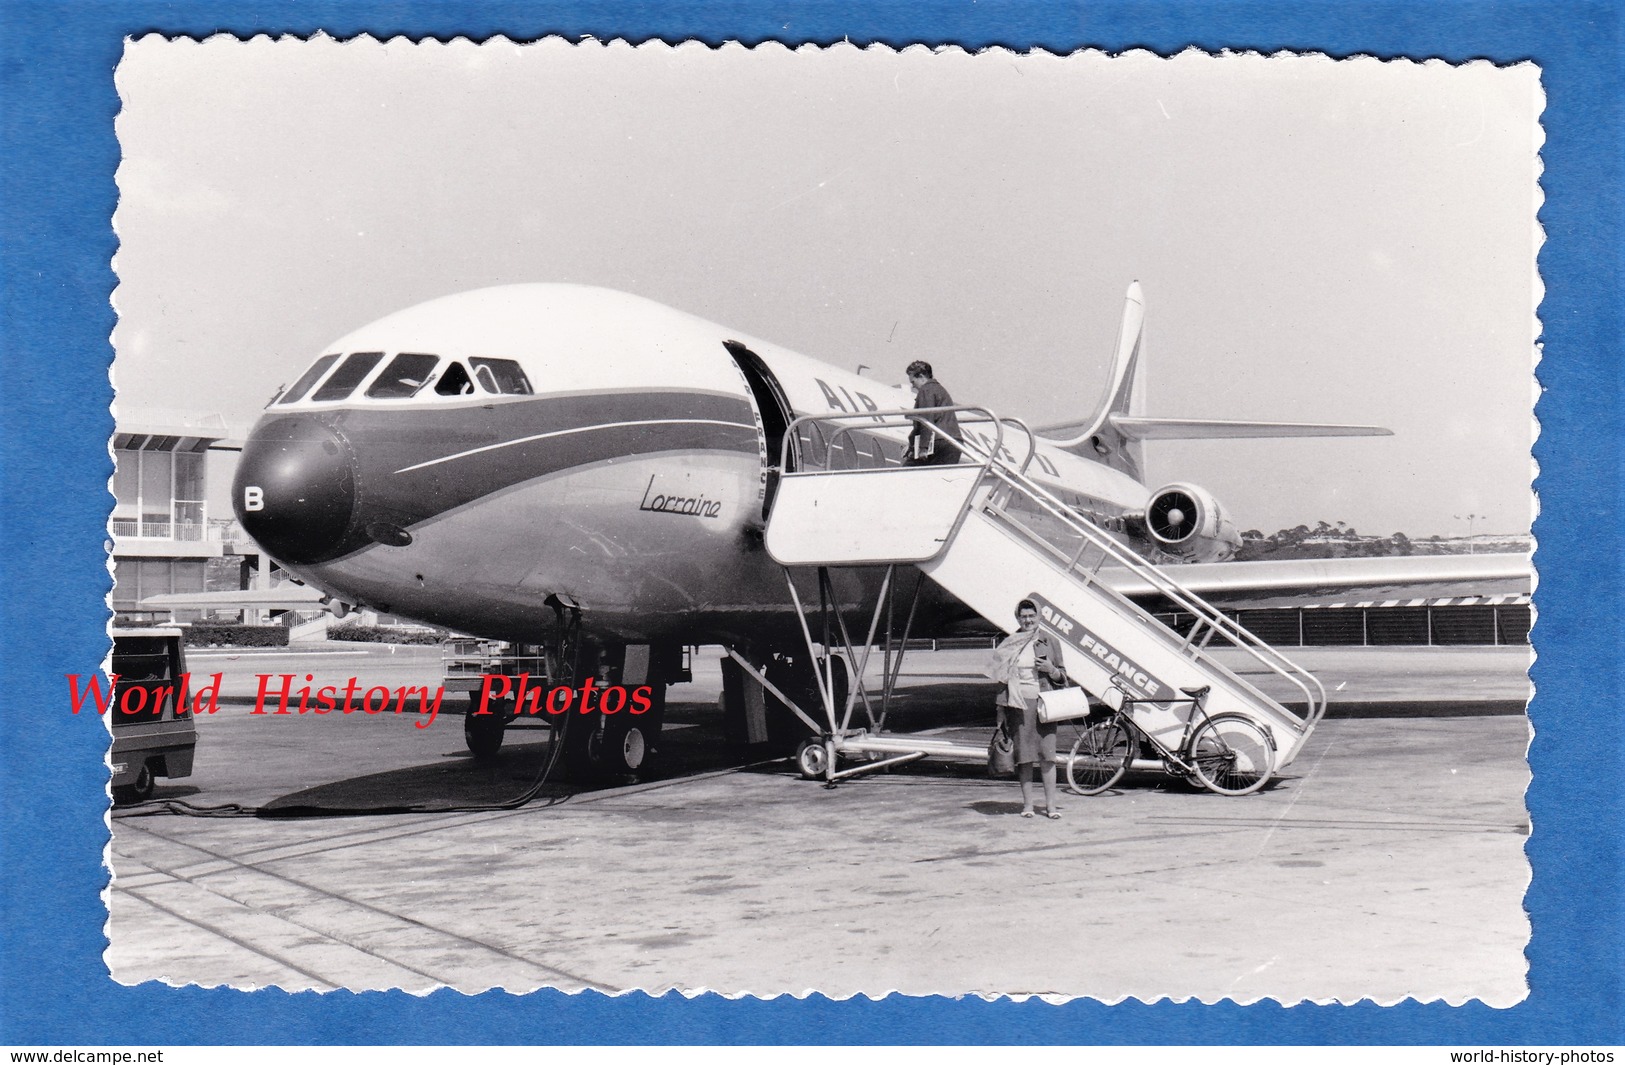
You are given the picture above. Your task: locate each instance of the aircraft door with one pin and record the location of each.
(771, 406)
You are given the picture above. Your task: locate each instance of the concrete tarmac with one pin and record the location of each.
(1385, 863)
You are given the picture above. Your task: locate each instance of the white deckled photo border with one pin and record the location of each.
(1348, 242)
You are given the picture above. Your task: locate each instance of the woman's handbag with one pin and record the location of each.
(1062, 704)
(1001, 750)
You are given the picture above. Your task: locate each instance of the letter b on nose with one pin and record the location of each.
(253, 497)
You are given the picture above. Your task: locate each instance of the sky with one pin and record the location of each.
(1342, 241)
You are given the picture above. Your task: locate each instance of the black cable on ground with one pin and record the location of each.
(182, 808)
(557, 734)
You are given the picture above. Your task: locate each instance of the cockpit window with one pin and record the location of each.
(502, 376)
(405, 374)
(454, 381)
(310, 377)
(348, 375)
(485, 377)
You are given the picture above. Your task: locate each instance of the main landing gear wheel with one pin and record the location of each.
(483, 732)
(618, 748)
(1231, 755)
(812, 759)
(138, 791)
(1099, 758)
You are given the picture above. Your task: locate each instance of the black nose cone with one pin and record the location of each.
(295, 490)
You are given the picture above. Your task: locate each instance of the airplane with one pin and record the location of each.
(509, 461)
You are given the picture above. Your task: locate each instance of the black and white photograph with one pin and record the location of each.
(838, 520)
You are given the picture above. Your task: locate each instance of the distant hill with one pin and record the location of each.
(1338, 540)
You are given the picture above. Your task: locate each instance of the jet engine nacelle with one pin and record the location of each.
(1186, 521)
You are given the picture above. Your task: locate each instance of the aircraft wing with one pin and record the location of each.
(1342, 581)
(287, 597)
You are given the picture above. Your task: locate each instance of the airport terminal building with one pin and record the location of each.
(164, 539)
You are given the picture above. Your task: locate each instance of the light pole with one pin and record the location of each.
(1469, 519)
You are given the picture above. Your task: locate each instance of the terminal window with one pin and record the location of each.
(158, 494)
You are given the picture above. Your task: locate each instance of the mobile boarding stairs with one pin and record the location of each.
(992, 536)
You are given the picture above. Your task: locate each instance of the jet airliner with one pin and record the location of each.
(499, 460)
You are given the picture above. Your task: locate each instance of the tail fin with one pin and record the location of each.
(1098, 436)
(1114, 432)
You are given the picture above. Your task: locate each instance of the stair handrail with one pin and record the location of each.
(1169, 588)
(1018, 480)
(899, 418)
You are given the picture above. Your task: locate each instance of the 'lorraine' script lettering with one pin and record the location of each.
(694, 506)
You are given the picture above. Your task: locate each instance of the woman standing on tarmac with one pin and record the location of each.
(1028, 662)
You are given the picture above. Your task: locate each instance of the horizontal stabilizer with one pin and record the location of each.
(1134, 427)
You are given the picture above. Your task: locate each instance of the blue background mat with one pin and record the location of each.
(57, 158)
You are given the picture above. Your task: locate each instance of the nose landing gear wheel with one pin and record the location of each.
(812, 759)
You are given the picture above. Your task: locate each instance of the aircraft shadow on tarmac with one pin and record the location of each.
(448, 784)
(691, 743)
(458, 782)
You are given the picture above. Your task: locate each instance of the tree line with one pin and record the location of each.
(1340, 540)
